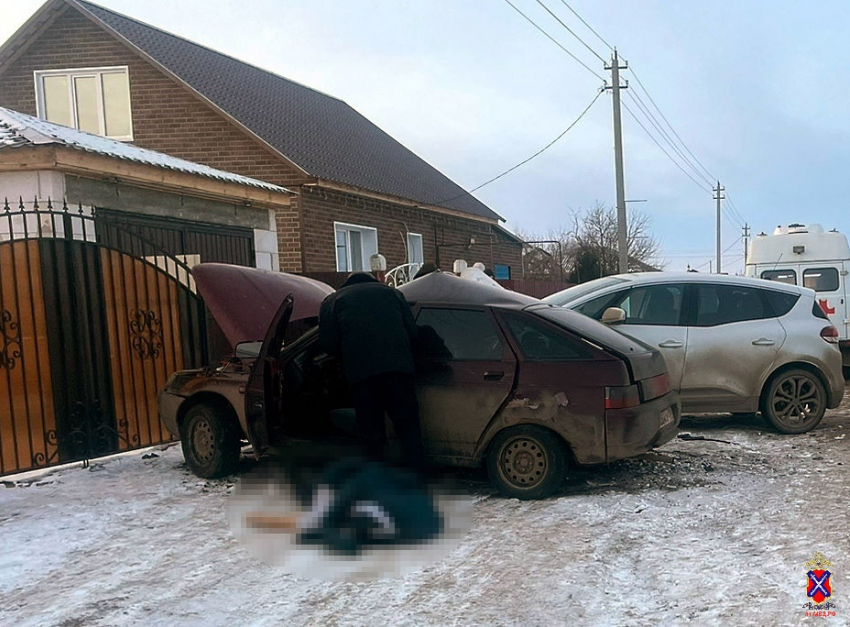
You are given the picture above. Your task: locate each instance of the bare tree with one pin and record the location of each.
(587, 249)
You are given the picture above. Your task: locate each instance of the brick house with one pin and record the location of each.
(358, 190)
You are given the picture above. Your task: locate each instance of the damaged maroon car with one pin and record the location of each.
(502, 380)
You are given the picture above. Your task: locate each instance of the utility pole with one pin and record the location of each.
(718, 196)
(622, 229)
(746, 242)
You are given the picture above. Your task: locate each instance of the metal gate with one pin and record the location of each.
(91, 326)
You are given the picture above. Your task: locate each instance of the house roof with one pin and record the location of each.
(320, 134)
(18, 130)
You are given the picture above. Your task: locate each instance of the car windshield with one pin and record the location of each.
(577, 291)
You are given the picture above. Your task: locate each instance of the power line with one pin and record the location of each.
(555, 41)
(732, 217)
(610, 47)
(734, 207)
(654, 121)
(645, 109)
(536, 154)
(570, 30)
(661, 113)
(676, 163)
(728, 248)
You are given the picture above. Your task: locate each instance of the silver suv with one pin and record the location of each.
(732, 344)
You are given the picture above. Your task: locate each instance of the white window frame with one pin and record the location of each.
(347, 229)
(417, 237)
(73, 73)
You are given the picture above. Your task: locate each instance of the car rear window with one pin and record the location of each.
(594, 331)
(818, 312)
(781, 302)
(540, 342)
(577, 291)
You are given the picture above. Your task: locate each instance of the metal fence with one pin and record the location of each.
(91, 326)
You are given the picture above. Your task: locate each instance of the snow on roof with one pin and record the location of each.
(18, 129)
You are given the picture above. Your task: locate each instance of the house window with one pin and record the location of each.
(415, 253)
(501, 272)
(354, 245)
(95, 100)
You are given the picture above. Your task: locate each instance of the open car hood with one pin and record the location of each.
(244, 300)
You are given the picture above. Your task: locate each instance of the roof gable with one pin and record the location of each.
(321, 134)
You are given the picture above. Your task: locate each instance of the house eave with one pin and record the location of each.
(99, 167)
(397, 200)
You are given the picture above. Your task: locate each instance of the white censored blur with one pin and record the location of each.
(274, 494)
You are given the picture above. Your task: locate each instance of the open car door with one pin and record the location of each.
(262, 393)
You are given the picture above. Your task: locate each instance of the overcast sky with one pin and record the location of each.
(752, 88)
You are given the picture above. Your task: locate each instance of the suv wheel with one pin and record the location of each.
(527, 462)
(210, 441)
(794, 401)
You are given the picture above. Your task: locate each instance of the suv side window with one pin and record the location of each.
(540, 342)
(781, 302)
(466, 334)
(821, 279)
(723, 304)
(652, 304)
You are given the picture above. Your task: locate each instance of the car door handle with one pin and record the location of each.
(671, 344)
(763, 341)
(493, 376)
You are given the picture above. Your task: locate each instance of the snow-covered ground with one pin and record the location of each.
(700, 532)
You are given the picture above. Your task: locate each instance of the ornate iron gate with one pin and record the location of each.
(90, 329)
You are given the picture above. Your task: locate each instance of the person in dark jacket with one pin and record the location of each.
(371, 326)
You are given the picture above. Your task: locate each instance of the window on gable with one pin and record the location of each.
(95, 100)
(354, 246)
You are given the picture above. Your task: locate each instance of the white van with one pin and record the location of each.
(808, 256)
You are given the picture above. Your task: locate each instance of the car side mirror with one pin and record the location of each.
(248, 350)
(613, 315)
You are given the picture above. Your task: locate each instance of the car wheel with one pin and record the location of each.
(210, 440)
(527, 462)
(794, 401)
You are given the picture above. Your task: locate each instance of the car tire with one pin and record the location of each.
(210, 440)
(794, 401)
(527, 462)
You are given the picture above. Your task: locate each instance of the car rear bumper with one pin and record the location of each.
(635, 430)
(836, 393)
(834, 375)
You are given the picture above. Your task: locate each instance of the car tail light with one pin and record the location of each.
(622, 397)
(655, 386)
(829, 334)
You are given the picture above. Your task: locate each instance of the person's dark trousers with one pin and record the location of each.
(395, 394)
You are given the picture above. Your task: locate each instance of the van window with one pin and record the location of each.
(783, 276)
(821, 279)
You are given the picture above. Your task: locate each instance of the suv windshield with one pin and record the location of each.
(571, 293)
